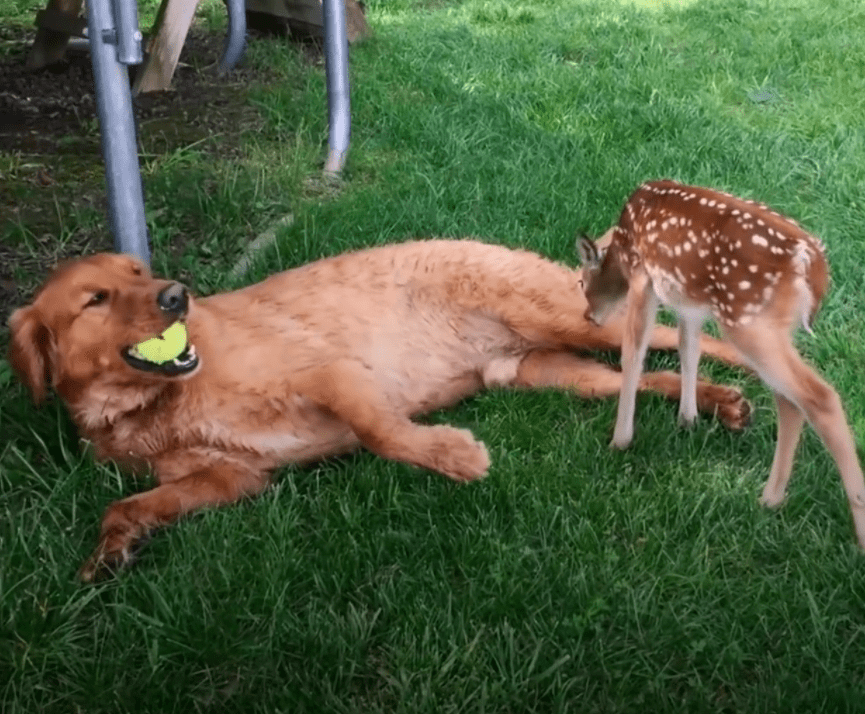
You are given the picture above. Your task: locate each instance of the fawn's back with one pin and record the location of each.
(735, 258)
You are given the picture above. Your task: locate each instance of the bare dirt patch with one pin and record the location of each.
(51, 165)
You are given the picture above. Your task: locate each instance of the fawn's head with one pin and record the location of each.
(603, 279)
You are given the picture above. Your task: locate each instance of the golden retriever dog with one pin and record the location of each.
(311, 362)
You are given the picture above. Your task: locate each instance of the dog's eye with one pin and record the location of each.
(97, 298)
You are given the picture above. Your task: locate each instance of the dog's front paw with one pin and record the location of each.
(122, 531)
(104, 562)
(458, 455)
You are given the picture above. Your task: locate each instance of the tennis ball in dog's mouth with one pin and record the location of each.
(164, 348)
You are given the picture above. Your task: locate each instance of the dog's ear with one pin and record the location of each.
(29, 351)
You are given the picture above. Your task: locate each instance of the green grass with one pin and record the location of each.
(573, 579)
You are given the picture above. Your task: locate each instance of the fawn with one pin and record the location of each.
(758, 274)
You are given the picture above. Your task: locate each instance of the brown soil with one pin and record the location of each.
(51, 164)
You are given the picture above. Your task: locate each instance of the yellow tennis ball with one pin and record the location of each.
(166, 347)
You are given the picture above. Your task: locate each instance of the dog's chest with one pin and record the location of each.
(284, 442)
(271, 432)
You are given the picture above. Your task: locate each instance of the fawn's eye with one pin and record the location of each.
(99, 297)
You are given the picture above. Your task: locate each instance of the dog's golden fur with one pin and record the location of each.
(312, 362)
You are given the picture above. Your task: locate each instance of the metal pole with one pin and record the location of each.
(235, 43)
(336, 72)
(115, 42)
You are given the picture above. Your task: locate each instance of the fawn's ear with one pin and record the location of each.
(29, 350)
(588, 251)
(604, 241)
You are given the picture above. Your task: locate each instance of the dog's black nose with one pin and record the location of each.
(173, 299)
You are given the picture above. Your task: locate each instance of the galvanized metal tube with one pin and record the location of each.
(117, 128)
(235, 42)
(336, 71)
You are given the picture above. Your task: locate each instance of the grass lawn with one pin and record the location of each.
(573, 579)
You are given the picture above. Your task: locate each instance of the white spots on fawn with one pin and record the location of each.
(712, 249)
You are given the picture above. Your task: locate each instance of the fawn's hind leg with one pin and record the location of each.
(790, 422)
(772, 355)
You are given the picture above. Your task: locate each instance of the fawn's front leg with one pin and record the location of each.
(642, 309)
(689, 360)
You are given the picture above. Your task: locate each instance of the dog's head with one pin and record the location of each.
(84, 323)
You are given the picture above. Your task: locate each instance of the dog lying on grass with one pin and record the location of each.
(311, 362)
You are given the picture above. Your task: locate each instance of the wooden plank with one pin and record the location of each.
(169, 34)
(306, 11)
(49, 46)
(306, 16)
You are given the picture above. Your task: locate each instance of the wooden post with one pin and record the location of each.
(169, 34)
(50, 44)
(306, 16)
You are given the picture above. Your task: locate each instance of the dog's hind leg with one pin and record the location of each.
(545, 316)
(349, 391)
(590, 378)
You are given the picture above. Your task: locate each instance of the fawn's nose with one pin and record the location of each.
(174, 300)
